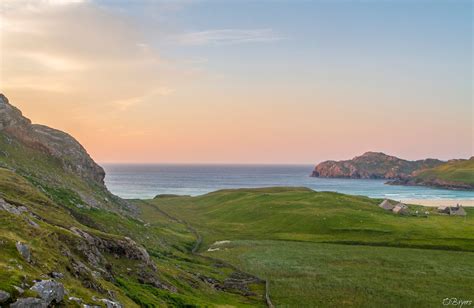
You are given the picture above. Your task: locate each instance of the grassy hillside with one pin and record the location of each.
(456, 171)
(47, 229)
(48, 174)
(301, 214)
(58, 221)
(319, 248)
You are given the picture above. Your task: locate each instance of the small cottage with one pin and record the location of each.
(443, 209)
(401, 209)
(457, 210)
(386, 205)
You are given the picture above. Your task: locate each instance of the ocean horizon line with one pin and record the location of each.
(205, 164)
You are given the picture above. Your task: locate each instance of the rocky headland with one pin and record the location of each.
(425, 172)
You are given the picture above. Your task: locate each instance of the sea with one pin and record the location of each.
(144, 181)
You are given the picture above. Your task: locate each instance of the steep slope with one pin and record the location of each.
(372, 165)
(66, 240)
(454, 174)
(53, 160)
(73, 157)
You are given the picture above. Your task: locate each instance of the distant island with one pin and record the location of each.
(453, 174)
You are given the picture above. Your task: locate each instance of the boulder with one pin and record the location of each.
(24, 251)
(4, 296)
(29, 302)
(76, 300)
(111, 304)
(49, 290)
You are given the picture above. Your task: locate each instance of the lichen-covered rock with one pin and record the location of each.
(29, 302)
(24, 251)
(49, 290)
(16, 210)
(4, 296)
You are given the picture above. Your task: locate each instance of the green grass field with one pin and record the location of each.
(329, 275)
(329, 249)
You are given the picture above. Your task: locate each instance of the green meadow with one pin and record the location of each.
(330, 249)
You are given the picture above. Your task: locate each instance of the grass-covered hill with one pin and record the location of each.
(457, 174)
(65, 240)
(329, 249)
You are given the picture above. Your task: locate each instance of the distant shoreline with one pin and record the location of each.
(440, 202)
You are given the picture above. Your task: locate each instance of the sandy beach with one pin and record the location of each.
(439, 202)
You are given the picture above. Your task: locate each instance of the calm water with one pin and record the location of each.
(147, 181)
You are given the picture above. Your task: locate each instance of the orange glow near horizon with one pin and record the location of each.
(108, 85)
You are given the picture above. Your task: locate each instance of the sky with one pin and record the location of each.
(243, 81)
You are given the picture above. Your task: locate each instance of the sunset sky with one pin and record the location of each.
(244, 81)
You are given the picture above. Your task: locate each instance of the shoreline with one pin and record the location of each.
(440, 202)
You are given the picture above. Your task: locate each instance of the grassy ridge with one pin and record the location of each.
(327, 249)
(457, 171)
(300, 214)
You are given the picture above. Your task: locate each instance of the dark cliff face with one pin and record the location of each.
(58, 144)
(372, 165)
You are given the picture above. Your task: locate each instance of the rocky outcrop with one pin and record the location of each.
(94, 248)
(126, 247)
(16, 210)
(49, 290)
(372, 165)
(58, 144)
